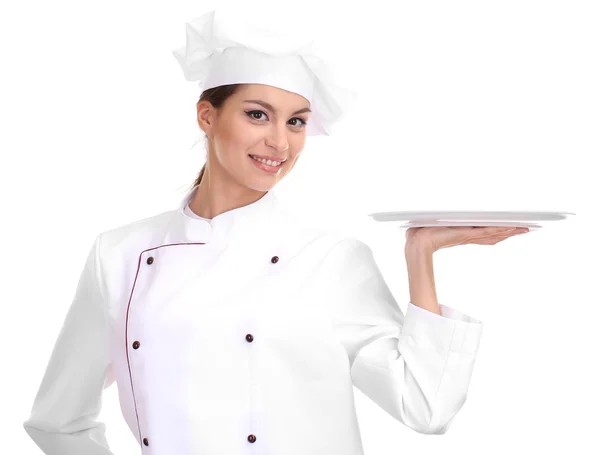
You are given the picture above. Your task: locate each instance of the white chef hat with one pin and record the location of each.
(227, 48)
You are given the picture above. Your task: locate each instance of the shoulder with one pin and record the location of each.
(324, 240)
(134, 236)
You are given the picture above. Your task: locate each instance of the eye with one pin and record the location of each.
(252, 115)
(303, 122)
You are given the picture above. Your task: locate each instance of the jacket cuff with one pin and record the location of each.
(453, 330)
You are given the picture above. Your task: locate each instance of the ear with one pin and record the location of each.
(206, 117)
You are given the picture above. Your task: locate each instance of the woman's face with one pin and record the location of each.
(241, 128)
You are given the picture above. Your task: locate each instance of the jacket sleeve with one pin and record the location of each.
(69, 399)
(415, 367)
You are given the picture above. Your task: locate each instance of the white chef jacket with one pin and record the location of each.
(244, 334)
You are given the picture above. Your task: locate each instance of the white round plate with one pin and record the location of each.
(470, 218)
(531, 226)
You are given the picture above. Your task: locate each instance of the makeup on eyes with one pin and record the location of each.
(251, 112)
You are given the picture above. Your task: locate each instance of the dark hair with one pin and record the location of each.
(216, 96)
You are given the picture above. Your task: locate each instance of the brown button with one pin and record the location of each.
(274, 259)
(249, 338)
(252, 438)
(145, 441)
(136, 344)
(150, 260)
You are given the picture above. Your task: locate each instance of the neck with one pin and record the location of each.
(215, 197)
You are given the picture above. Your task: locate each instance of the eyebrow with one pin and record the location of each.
(268, 106)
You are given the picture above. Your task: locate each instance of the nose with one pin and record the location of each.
(278, 138)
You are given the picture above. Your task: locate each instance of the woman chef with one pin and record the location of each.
(229, 326)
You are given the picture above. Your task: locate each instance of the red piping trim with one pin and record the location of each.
(127, 325)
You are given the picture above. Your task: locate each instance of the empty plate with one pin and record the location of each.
(470, 218)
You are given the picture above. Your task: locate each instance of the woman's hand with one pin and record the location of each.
(433, 238)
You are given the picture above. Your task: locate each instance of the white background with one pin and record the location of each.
(464, 105)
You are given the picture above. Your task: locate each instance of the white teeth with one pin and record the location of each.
(267, 162)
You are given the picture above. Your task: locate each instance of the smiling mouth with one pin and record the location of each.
(254, 156)
(270, 168)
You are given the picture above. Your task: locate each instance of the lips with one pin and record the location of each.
(265, 167)
(272, 158)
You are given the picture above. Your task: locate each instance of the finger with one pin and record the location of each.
(495, 239)
(504, 230)
(517, 230)
(493, 236)
(487, 234)
(485, 231)
(510, 232)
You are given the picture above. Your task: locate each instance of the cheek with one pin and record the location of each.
(244, 135)
(292, 162)
(297, 155)
(236, 141)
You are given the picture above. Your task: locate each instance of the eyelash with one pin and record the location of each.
(249, 114)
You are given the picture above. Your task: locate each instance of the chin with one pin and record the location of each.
(261, 188)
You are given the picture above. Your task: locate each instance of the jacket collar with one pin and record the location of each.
(241, 223)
